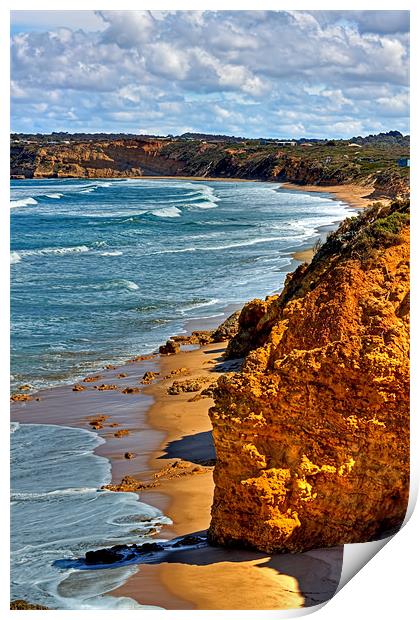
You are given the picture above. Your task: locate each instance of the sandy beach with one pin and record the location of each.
(354, 195)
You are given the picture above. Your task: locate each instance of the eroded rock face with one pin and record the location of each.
(312, 436)
(228, 329)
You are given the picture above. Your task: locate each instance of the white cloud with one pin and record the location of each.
(326, 72)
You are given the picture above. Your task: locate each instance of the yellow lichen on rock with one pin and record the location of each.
(312, 436)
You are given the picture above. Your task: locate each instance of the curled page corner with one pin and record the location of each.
(356, 556)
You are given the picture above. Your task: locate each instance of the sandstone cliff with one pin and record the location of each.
(319, 165)
(114, 158)
(312, 436)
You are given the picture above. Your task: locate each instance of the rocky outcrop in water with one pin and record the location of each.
(312, 436)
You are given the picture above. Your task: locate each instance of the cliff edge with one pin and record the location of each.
(312, 436)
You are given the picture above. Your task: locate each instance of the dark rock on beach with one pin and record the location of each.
(149, 376)
(21, 604)
(120, 553)
(188, 541)
(228, 329)
(189, 385)
(170, 348)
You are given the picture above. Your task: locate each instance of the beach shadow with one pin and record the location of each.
(303, 579)
(194, 448)
(211, 351)
(316, 572)
(230, 365)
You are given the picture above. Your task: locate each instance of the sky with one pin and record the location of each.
(280, 74)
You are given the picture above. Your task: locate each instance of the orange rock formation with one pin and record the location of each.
(312, 436)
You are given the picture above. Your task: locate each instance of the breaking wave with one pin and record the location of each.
(23, 202)
(166, 212)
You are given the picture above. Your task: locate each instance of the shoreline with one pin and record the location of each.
(356, 196)
(171, 429)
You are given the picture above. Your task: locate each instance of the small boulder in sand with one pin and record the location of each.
(25, 387)
(149, 376)
(97, 422)
(91, 379)
(129, 455)
(122, 433)
(189, 385)
(105, 386)
(177, 371)
(139, 358)
(170, 348)
(122, 375)
(78, 387)
(128, 484)
(20, 397)
(130, 390)
(188, 541)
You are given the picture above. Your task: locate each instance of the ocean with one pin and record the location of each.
(59, 512)
(102, 271)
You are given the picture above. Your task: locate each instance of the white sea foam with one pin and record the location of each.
(120, 283)
(14, 426)
(132, 286)
(23, 202)
(211, 199)
(33, 496)
(77, 249)
(115, 253)
(174, 251)
(200, 304)
(57, 195)
(166, 212)
(54, 523)
(240, 244)
(15, 258)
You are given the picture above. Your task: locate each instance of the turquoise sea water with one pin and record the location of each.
(58, 511)
(102, 270)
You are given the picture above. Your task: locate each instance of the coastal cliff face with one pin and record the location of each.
(317, 165)
(114, 158)
(312, 436)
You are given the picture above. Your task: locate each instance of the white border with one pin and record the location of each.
(386, 587)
